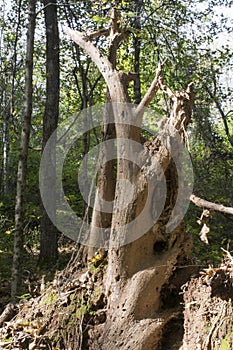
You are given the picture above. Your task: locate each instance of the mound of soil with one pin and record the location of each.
(61, 316)
(71, 312)
(208, 311)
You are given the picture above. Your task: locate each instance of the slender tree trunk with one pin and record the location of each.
(22, 165)
(6, 151)
(84, 96)
(9, 103)
(48, 241)
(86, 136)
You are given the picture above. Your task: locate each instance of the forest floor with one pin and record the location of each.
(33, 274)
(59, 315)
(68, 310)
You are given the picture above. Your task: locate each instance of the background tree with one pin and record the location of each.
(10, 63)
(48, 241)
(23, 156)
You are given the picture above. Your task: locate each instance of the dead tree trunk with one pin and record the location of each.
(106, 177)
(141, 266)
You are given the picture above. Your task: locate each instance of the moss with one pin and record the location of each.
(227, 341)
(225, 345)
(51, 298)
(7, 340)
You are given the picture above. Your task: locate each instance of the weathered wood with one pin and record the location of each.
(151, 92)
(210, 205)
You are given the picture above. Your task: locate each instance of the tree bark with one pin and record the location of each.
(22, 165)
(48, 241)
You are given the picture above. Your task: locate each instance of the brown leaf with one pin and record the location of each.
(203, 234)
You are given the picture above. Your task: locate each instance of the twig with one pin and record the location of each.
(228, 254)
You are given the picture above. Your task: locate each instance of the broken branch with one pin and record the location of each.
(210, 205)
(85, 43)
(155, 85)
(98, 33)
(166, 89)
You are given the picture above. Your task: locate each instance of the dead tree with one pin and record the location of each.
(140, 269)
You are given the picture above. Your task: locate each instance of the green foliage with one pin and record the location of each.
(6, 245)
(188, 34)
(6, 234)
(25, 296)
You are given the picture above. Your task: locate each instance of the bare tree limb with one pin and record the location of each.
(148, 97)
(128, 77)
(210, 205)
(37, 149)
(106, 68)
(98, 33)
(85, 43)
(166, 89)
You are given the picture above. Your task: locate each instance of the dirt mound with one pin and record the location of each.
(62, 316)
(72, 312)
(208, 320)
